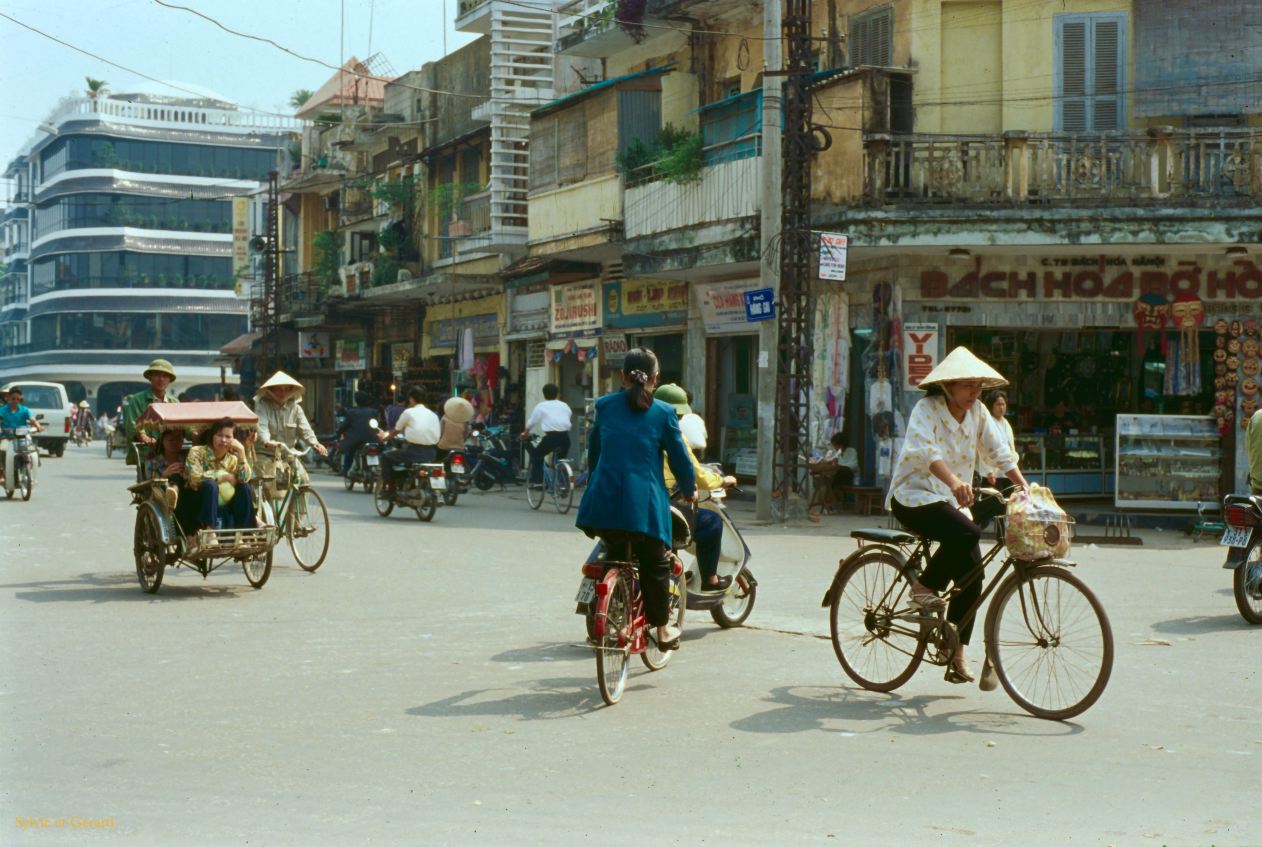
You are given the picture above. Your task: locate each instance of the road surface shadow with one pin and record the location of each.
(542, 699)
(838, 710)
(567, 651)
(115, 587)
(1201, 624)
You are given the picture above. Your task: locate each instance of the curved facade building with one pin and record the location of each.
(119, 249)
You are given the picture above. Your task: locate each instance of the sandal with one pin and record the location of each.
(724, 583)
(926, 601)
(955, 675)
(666, 646)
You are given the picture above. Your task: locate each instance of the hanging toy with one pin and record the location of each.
(1188, 314)
(1151, 311)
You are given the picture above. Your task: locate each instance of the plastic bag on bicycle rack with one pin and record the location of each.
(1036, 527)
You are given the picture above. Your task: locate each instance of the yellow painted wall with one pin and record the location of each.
(575, 208)
(680, 100)
(972, 66)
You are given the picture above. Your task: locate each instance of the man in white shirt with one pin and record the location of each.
(420, 429)
(553, 418)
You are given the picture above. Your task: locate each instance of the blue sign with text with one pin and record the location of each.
(760, 304)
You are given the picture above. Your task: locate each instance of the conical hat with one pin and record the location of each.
(960, 363)
(458, 410)
(281, 378)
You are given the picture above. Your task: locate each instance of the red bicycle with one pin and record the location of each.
(617, 626)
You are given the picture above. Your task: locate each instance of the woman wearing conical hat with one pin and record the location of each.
(281, 418)
(948, 435)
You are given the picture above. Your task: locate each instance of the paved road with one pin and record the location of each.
(426, 687)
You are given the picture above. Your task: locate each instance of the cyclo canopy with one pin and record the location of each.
(193, 418)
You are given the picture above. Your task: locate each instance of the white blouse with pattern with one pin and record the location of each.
(933, 433)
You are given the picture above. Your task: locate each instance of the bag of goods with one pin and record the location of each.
(1036, 526)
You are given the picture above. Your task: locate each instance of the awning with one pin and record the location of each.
(587, 341)
(534, 269)
(241, 345)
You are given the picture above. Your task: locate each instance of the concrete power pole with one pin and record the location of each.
(772, 164)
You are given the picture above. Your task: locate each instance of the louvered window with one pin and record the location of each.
(1090, 75)
(870, 38)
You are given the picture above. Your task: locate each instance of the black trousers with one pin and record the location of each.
(654, 561)
(414, 454)
(551, 442)
(958, 558)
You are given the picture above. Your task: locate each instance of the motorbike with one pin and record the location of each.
(409, 486)
(363, 469)
(1242, 514)
(333, 444)
(456, 466)
(20, 462)
(494, 460)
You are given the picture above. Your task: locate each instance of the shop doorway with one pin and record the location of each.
(669, 349)
(732, 403)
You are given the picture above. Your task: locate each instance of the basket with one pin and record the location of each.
(1036, 527)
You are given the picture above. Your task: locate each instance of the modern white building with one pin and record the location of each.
(118, 244)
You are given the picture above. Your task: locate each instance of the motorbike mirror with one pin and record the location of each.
(372, 423)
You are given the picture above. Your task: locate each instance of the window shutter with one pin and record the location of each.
(858, 40)
(882, 37)
(1106, 72)
(1073, 76)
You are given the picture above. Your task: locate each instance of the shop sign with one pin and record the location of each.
(400, 356)
(1097, 278)
(920, 353)
(722, 305)
(240, 236)
(444, 334)
(350, 354)
(760, 304)
(575, 309)
(832, 256)
(313, 345)
(639, 303)
(615, 344)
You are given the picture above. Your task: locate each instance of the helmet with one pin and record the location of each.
(161, 366)
(675, 396)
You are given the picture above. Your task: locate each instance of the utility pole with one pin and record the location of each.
(790, 482)
(768, 335)
(270, 312)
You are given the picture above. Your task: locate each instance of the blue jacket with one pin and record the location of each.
(626, 489)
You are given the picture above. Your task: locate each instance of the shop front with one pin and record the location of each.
(573, 350)
(731, 374)
(1122, 382)
(651, 313)
(461, 351)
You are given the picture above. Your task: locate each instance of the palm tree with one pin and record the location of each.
(300, 97)
(96, 87)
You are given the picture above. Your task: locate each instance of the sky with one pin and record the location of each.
(174, 45)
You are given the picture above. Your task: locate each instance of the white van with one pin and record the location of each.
(50, 404)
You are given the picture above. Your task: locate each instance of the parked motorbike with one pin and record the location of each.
(1242, 514)
(409, 486)
(494, 459)
(363, 469)
(20, 462)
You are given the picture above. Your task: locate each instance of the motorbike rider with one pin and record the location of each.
(554, 418)
(419, 427)
(454, 426)
(708, 532)
(282, 421)
(356, 430)
(13, 415)
(626, 503)
(160, 374)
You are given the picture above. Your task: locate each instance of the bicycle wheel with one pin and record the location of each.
(563, 487)
(876, 648)
(653, 658)
(534, 496)
(308, 528)
(613, 622)
(1049, 641)
(1247, 585)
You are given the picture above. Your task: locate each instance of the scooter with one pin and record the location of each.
(363, 467)
(20, 462)
(411, 486)
(731, 606)
(1242, 514)
(494, 462)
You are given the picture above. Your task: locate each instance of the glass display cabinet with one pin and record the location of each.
(1070, 465)
(1167, 461)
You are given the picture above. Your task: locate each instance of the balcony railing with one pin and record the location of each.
(1198, 166)
(303, 294)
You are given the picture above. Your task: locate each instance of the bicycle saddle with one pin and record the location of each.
(884, 536)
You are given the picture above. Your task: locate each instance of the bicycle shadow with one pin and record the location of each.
(557, 651)
(849, 712)
(542, 699)
(1200, 624)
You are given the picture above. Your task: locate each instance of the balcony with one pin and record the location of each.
(474, 16)
(303, 295)
(473, 224)
(1160, 166)
(588, 28)
(727, 191)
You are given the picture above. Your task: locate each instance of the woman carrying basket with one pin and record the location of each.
(948, 435)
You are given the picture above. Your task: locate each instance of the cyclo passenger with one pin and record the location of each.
(168, 462)
(626, 503)
(13, 415)
(420, 429)
(947, 434)
(282, 421)
(218, 477)
(160, 374)
(708, 532)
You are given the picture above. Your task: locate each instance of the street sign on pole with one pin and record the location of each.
(760, 304)
(832, 256)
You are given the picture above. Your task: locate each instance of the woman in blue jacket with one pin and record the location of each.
(626, 502)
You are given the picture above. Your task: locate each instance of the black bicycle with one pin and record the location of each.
(1048, 639)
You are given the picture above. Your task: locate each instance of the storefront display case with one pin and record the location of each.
(1070, 465)
(1167, 461)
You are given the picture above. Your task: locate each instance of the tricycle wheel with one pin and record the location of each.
(258, 569)
(426, 511)
(151, 553)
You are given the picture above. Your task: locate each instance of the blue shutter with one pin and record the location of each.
(1089, 79)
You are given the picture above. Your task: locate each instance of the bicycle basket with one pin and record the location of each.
(1036, 527)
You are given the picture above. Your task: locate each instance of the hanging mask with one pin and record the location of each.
(1220, 341)
(1251, 347)
(1248, 406)
(1220, 355)
(1219, 382)
(1249, 387)
(1220, 326)
(1219, 411)
(1220, 369)
(1231, 377)
(1222, 398)
(1233, 346)
(1250, 367)
(1234, 329)
(1233, 363)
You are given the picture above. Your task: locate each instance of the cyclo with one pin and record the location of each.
(159, 539)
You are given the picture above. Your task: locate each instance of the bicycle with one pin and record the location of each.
(290, 504)
(618, 626)
(558, 480)
(1042, 622)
